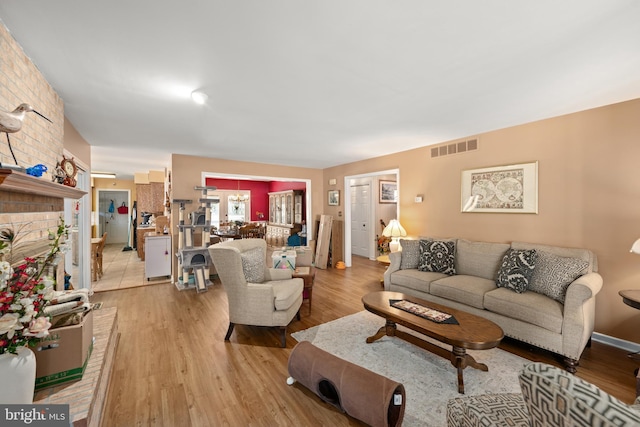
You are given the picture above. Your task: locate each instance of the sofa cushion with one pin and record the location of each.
(468, 290)
(480, 259)
(437, 256)
(410, 254)
(530, 307)
(516, 269)
(253, 262)
(553, 274)
(415, 279)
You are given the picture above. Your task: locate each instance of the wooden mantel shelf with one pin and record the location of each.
(20, 182)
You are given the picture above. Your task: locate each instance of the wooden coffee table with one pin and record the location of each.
(472, 332)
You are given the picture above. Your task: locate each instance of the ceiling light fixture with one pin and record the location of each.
(199, 97)
(239, 197)
(103, 175)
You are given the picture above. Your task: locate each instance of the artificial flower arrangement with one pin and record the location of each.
(24, 293)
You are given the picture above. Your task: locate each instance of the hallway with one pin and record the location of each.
(122, 270)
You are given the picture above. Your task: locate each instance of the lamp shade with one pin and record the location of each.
(635, 248)
(394, 229)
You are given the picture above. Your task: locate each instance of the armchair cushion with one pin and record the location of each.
(253, 264)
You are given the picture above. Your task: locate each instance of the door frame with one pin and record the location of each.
(347, 212)
(307, 193)
(99, 231)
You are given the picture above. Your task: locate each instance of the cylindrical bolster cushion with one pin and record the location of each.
(364, 395)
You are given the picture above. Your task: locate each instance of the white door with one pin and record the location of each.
(360, 221)
(111, 222)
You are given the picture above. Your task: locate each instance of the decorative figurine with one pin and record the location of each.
(58, 175)
(37, 170)
(11, 122)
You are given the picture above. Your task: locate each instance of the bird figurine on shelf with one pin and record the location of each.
(11, 122)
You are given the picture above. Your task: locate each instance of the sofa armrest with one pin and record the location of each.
(394, 265)
(579, 313)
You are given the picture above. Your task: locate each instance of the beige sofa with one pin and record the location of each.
(550, 305)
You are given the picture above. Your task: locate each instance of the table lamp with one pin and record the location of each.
(395, 231)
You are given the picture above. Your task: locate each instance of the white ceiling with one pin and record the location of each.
(319, 83)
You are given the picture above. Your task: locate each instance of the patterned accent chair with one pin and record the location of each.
(257, 295)
(550, 397)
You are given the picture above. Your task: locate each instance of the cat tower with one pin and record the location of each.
(194, 260)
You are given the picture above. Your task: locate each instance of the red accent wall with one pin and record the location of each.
(259, 192)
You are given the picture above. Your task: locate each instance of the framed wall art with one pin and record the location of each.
(501, 189)
(334, 197)
(388, 192)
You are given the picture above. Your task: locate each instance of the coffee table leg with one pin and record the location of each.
(460, 359)
(389, 329)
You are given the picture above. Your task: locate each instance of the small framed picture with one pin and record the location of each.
(334, 197)
(388, 192)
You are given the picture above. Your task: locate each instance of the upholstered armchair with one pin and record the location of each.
(550, 397)
(257, 295)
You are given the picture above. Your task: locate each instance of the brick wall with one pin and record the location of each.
(38, 141)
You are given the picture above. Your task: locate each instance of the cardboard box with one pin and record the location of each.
(284, 259)
(63, 355)
(304, 256)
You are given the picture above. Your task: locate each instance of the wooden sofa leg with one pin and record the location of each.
(298, 314)
(229, 331)
(283, 337)
(571, 365)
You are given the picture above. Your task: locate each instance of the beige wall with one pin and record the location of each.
(589, 195)
(76, 144)
(187, 173)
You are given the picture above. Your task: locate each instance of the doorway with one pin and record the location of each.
(110, 221)
(371, 231)
(360, 217)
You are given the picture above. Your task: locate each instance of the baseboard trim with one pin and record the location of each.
(616, 342)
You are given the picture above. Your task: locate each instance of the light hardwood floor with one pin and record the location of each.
(173, 367)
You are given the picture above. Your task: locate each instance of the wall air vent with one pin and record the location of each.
(455, 148)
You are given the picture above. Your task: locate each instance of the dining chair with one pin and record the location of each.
(99, 255)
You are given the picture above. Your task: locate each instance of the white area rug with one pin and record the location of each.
(429, 380)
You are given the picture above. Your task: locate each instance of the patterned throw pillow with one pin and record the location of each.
(253, 262)
(410, 254)
(437, 256)
(554, 274)
(516, 269)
